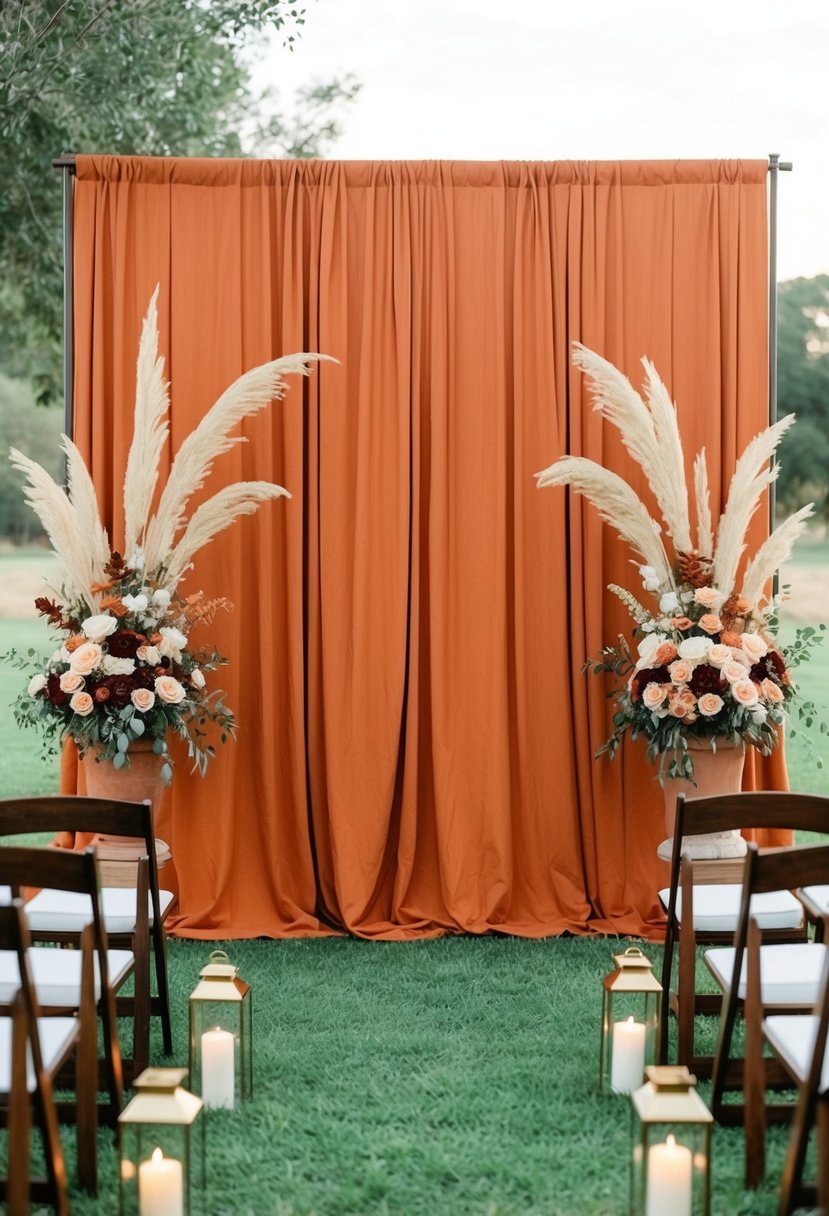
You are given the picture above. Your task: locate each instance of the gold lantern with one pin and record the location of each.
(671, 1163)
(630, 1022)
(221, 1034)
(161, 1147)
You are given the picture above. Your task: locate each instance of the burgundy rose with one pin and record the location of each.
(705, 679)
(143, 677)
(124, 643)
(771, 666)
(650, 675)
(53, 691)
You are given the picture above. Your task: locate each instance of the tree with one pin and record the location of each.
(34, 432)
(151, 77)
(803, 389)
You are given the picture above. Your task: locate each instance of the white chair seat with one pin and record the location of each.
(819, 896)
(790, 974)
(70, 912)
(56, 1036)
(57, 974)
(717, 908)
(793, 1038)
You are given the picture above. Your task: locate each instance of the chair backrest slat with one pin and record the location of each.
(769, 809)
(71, 813)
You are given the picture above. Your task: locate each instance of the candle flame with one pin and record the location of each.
(157, 1156)
(630, 1020)
(671, 1142)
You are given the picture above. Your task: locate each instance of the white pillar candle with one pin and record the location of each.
(669, 1179)
(628, 1061)
(217, 1068)
(160, 1189)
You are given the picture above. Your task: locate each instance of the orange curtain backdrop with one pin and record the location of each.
(416, 742)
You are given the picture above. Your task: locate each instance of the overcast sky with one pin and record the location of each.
(585, 80)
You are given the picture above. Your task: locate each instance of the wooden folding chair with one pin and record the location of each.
(798, 1044)
(58, 973)
(33, 1051)
(703, 901)
(134, 915)
(785, 976)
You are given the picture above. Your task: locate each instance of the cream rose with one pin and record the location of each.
(37, 684)
(734, 672)
(96, 628)
(772, 692)
(745, 693)
(709, 597)
(149, 655)
(86, 658)
(168, 689)
(718, 655)
(117, 667)
(143, 699)
(754, 646)
(710, 623)
(82, 704)
(70, 681)
(694, 649)
(654, 695)
(710, 704)
(197, 678)
(680, 671)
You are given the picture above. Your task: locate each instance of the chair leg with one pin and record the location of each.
(796, 1154)
(754, 1075)
(20, 1122)
(162, 983)
(823, 1153)
(86, 1075)
(667, 968)
(141, 1007)
(686, 996)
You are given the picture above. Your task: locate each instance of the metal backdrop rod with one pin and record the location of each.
(776, 166)
(66, 165)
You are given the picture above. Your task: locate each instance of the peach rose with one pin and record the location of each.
(710, 704)
(745, 693)
(143, 699)
(772, 692)
(681, 623)
(710, 623)
(73, 642)
(70, 681)
(86, 658)
(168, 689)
(730, 638)
(686, 698)
(719, 655)
(149, 655)
(678, 710)
(680, 671)
(664, 654)
(754, 646)
(708, 597)
(654, 695)
(82, 704)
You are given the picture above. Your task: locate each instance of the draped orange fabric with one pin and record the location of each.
(416, 743)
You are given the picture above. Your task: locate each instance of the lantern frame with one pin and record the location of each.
(668, 1105)
(632, 988)
(161, 1114)
(222, 1001)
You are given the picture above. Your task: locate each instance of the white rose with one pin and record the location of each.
(149, 655)
(97, 628)
(648, 646)
(197, 678)
(161, 598)
(135, 603)
(694, 649)
(668, 602)
(117, 667)
(136, 561)
(37, 683)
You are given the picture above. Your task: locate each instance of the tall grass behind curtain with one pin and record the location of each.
(416, 739)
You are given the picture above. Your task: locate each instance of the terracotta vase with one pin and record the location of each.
(715, 772)
(142, 780)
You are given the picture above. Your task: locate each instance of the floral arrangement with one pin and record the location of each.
(124, 669)
(707, 663)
